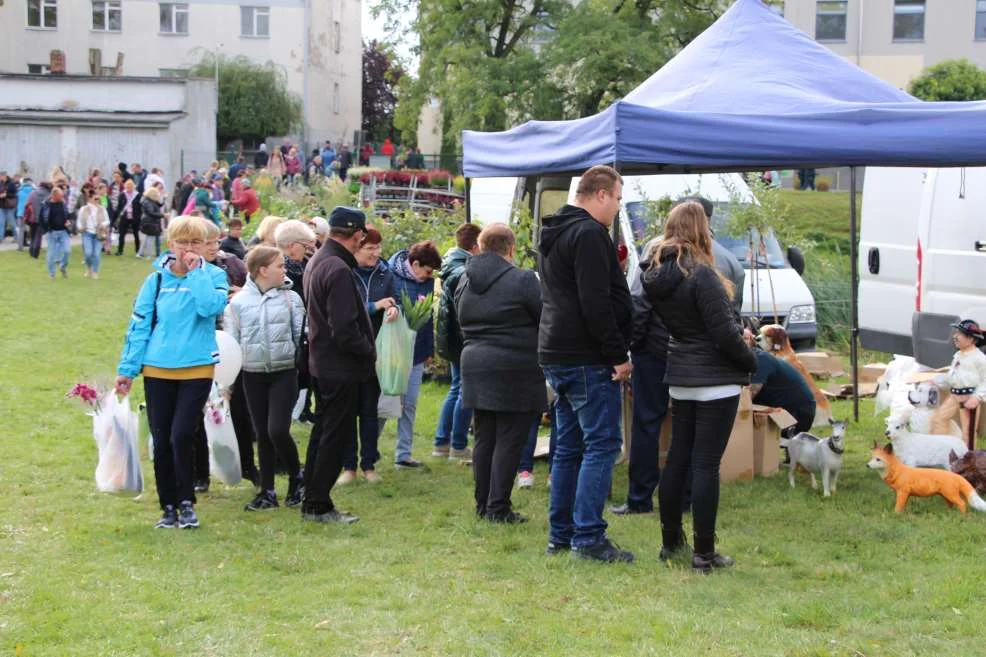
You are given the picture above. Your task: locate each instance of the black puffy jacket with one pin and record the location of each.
(448, 336)
(706, 346)
(649, 334)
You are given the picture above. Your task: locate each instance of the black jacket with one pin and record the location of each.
(375, 284)
(448, 337)
(121, 207)
(151, 215)
(588, 315)
(260, 159)
(649, 334)
(340, 338)
(706, 346)
(498, 308)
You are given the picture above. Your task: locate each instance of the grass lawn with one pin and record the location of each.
(83, 574)
(823, 217)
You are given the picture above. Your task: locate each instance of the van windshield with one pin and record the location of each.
(772, 257)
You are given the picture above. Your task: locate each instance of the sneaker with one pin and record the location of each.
(706, 563)
(557, 548)
(627, 510)
(85, 274)
(51, 276)
(525, 479)
(64, 274)
(296, 492)
(459, 454)
(202, 486)
(186, 516)
(372, 477)
(330, 517)
(347, 477)
(440, 451)
(264, 501)
(169, 519)
(94, 275)
(409, 464)
(509, 518)
(603, 550)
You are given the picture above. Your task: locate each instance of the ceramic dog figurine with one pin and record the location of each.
(922, 482)
(923, 403)
(775, 341)
(921, 450)
(819, 456)
(971, 467)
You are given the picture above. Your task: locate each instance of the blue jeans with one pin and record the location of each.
(650, 405)
(8, 217)
(453, 422)
(527, 457)
(92, 247)
(59, 248)
(587, 415)
(405, 425)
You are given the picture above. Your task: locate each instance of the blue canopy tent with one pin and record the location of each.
(752, 92)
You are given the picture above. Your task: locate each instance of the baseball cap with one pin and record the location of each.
(346, 217)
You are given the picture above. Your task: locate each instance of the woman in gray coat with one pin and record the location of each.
(499, 307)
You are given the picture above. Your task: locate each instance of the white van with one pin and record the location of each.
(491, 200)
(922, 263)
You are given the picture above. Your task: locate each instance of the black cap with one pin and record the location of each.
(970, 328)
(344, 217)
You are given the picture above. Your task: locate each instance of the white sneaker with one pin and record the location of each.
(525, 479)
(347, 477)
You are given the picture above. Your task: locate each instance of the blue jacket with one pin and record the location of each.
(22, 195)
(424, 344)
(185, 333)
(328, 155)
(375, 284)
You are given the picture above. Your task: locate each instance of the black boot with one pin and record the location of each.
(673, 543)
(705, 558)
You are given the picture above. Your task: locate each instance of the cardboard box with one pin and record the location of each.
(872, 373)
(821, 364)
(927, 375)
(768, 423)
(844, 391)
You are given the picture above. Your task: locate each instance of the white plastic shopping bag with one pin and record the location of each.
(224, 451)
(114, 427)
(389, 407)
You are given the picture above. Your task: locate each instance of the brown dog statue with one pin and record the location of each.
(972, 467)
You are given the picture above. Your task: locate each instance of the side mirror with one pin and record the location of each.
(797, 259)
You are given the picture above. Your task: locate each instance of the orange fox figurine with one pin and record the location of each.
(923, 482)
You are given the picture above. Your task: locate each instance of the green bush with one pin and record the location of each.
(828, 276)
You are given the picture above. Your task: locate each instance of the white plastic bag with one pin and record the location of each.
(114, 428)
(224, 451)
(389, 407)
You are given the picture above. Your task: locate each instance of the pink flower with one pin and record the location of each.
(421, 298)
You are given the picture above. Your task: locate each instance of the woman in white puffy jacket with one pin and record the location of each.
(267, 318)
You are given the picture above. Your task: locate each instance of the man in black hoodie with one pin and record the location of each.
(585, 332)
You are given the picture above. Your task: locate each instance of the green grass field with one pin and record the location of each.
(83, 573)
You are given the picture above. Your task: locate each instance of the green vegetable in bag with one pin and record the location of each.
(395, 355)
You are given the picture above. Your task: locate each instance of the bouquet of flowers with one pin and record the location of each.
(417, 313)
(88, 395)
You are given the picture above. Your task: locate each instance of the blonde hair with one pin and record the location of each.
(188, 228)
(265, 231)
(153, 193)
(688, 239)
(261, 256)
(212, 230)
(292, 231)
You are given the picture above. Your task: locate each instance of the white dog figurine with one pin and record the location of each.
(925, 399)
(821, 456)
(922, 450)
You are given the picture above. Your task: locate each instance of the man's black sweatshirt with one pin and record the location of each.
(587, 317)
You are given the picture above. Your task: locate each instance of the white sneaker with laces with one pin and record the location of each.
(525, 479)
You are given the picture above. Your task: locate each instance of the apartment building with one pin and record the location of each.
(894, 39)
(317, 43)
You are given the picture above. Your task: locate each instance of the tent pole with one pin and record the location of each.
(854, 295)
(468, 201)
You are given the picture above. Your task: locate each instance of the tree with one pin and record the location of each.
(381, 74)
(955, 79)
(254, 102)
(495, 63)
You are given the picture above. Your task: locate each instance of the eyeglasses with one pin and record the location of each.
(185, 244)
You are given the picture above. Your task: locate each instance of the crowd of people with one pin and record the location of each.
(306, 299)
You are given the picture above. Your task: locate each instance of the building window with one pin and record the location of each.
(42, 13)
(255, 21)
(776, 6)
(908, 20)
(174, 17)
(337, 35)
(39, 69)
(107, 16)
(980, 19)
(335, 98)
(174, 72)
(830, 20)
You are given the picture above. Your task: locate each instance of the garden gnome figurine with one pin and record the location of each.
(966, 381)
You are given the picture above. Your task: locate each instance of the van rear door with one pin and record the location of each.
(888, 257)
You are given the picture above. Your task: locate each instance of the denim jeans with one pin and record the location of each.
(527, 456)
(369, 428)
(587, 414)
(405, 425)
(92, 247)
(20, 231)
(8, 218)
(59, 249)
(453, 422)
(650, 405)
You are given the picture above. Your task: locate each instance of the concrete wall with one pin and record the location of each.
(214, 26)
(949, 33)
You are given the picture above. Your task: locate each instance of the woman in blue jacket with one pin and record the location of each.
(171, 340)
(413, 271)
